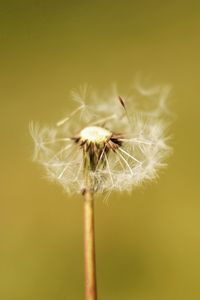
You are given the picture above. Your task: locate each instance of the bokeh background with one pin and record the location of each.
(148, 242)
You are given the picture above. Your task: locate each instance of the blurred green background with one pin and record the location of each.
(148, 243)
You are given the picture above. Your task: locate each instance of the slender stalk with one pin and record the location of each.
(89, 247)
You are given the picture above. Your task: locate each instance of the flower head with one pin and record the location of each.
(108, 142)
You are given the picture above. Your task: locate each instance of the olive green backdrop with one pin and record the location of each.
(148, 242)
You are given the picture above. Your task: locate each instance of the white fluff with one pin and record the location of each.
(142, 123)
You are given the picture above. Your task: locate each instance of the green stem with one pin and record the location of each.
(89, 247)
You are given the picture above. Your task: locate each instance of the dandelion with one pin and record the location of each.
(109, 142)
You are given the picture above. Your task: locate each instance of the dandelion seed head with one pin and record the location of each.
(108, 142)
